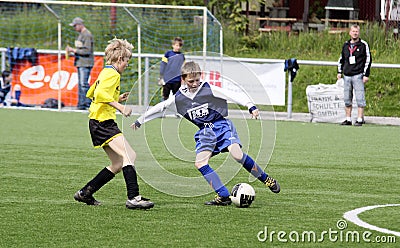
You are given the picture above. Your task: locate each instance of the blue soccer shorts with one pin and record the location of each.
(216, 137)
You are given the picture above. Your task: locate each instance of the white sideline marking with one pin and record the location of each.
(352, 216)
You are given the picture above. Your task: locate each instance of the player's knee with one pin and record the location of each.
(130, 158)
(115, 167)
(118, 169)
(236, 153)
(199, 164)
(237, 157)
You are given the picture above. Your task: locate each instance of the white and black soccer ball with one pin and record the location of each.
(242, 195)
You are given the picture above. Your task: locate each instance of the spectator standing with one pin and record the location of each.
(84, 60)
(5, 86)
(170, 68)
(354, 63)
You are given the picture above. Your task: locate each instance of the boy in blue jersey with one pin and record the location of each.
(170, 68)
(206, 106)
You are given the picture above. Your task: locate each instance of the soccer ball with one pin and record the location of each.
(242, 195)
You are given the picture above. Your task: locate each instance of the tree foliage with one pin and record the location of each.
(159, 2)
(229, 12)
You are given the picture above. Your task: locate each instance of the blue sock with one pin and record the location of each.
(214, 181)
(251, 166)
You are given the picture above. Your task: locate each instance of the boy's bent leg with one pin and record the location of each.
(122, 148)
(214, 181)
(135, 200)
(132, 186)
(251, 166)
(222, 198)
(86, 193)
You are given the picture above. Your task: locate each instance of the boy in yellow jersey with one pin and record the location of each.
(106, 98)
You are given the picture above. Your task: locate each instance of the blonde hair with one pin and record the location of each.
(117, 48)
(355, 26)
(190, 68)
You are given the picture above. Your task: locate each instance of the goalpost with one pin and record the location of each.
(43, 26)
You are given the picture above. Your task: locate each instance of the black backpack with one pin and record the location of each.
(51, 103)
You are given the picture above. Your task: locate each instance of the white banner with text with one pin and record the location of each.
(326, 104)
(265, 83)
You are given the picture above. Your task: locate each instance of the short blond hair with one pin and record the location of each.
(190, 68)
(118, 48)
(355, 26)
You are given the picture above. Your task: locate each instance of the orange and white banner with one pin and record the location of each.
(43, 81)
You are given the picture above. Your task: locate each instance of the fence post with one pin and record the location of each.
(3, 60)
(146, 82)
(291, 66)
(58, 53)
(290, 96)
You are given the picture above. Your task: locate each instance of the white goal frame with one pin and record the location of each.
(61, 51)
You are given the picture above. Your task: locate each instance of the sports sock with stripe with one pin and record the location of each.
(251, 166)
(214, 181)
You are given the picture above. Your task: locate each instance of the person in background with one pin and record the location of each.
(5, 86)
(355, 64)
(170, 68)
(84, 60)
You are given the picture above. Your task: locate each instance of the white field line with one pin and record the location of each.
(352, 216)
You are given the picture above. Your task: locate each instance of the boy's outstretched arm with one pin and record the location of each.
(154, 112)
(240, 98)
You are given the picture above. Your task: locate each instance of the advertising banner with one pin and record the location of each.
(326, 103)
(42, 81)
(264, 83)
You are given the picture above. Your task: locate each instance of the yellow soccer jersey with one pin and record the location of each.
(106, 89)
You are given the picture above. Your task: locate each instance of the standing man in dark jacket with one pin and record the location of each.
(84, 60)
(354, 63)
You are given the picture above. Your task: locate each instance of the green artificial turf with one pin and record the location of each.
(324, 171)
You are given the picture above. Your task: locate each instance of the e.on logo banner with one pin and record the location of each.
(40, 82)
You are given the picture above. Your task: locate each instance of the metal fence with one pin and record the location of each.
(43, 25)
(150, 74)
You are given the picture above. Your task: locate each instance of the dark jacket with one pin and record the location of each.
(362, 56)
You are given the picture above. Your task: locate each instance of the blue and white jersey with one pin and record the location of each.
(207, 105)
(202, 107)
